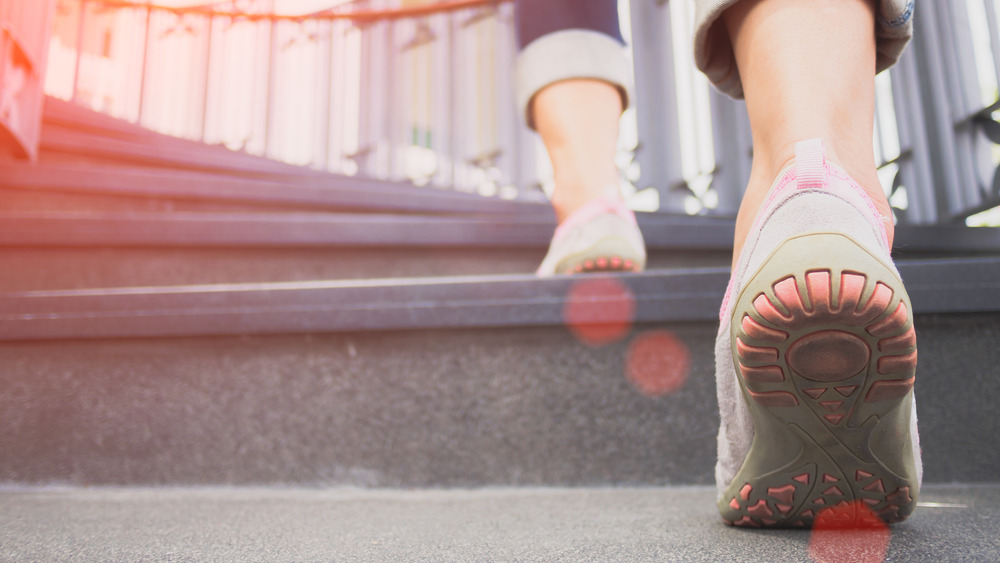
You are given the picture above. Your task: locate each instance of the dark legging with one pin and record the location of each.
(712, 51)
(536, 18)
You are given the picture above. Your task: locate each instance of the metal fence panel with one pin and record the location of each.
(407, 90)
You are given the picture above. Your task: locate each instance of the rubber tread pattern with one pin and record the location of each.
(826, 356)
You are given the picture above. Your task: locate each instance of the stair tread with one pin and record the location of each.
(463, 407)
(75, 130)
(284, 228)
(580, 524)
(244, 228)
(317, 191)
(323, 305)
(688, 294)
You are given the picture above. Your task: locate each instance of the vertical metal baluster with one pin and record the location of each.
(509, 117)
(79, 49)
(957, 35)
(334, 146)
(488, 130)
(402, 128)
(733, 144)
(938, 105)
(421, 113)
(494, 136)
(526, 150)
(476, 102)
(227, 25)
(994, 28)
(257, 33)
(208, 74)
(270, 87)
(365, 147)
(438, 75)
(656, 102)
(338, 115)
(425, 101)
(391, 101)
(466, 99)
(379, 99)
(506, 112)
(974, 156)
(325, 56)
(453, 104)
(145, 63)
(970, 153)
(364, 90)
(375, 99)
(916, 169)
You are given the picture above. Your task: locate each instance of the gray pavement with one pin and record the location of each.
(955, 523)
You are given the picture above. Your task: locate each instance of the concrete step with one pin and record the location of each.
(464, 382)
(114, 247)
(88, 223)
(951, 523)
(676, 295)
(72, 133)
(85, 152)
(90, 186)
(59, 268)
(62, 240)
(175, 315)
(74, 250)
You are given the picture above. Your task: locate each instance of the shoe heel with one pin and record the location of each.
(825, 351)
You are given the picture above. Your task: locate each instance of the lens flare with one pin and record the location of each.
(599, 311)
(849, 532)
(657, 363)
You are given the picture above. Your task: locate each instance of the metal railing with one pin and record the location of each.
(422, 92)
(947, 97)
(419, 93)
(936, 138)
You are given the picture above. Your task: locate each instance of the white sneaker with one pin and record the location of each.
(815, 361)
(600, 236)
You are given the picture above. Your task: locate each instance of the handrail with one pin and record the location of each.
(440, 7)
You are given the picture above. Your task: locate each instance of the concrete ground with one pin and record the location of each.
(954, 523)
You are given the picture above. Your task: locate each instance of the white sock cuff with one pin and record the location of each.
(563, 55)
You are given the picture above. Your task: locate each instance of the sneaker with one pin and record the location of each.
(600, 236)
(815, 361)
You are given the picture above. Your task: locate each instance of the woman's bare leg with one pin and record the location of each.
(807, 68)
(578, 122)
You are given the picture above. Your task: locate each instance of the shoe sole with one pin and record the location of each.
(824, 343)
(611, 254)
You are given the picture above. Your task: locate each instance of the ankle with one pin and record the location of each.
(865, 173)
(872, 186)
(569, 198)
(766, 171)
